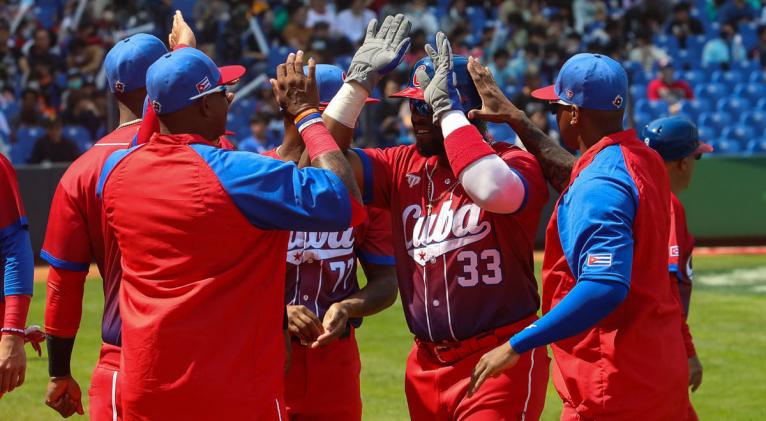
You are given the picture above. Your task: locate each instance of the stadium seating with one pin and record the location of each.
(725, 146)
(716, 119)
(740, 134)
(733, 105)
(751, 91)
(80, 136)
(757, 146)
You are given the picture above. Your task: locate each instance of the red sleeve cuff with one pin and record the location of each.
(318, 140)
(465, 146)
(16, 309)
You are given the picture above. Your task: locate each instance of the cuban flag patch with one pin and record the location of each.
(600, 259)
(674, 251)
(203, 85)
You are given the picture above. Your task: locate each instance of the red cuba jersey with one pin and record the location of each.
(680, 251)
(77, 234)
(202, 292)
(461, 270)
(611, 224)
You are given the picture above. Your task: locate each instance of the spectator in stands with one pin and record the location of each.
(666, 87)
(320, 11)
(724, 50)
(40, 52)
(735, 11)
(417, 47)
(53, 147)
(417, 12)
(646, 53)
(258, 141)
(353, 21)
(538, 115)
(86, 53)
(8, 56)
(501, 69)
(531, 82)
(683, 24)
(326, 46)
(759, 52)
(30, 109)
(296, 34)
(81, 109)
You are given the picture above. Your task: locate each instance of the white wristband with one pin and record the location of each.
(347, 104)
(452, 121)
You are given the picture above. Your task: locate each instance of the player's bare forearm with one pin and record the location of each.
(555, 161)
(379, 293)
(336, 162)
(292, 146)
(342, 134)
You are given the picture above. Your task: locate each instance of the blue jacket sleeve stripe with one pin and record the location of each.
(277, 195)
(18, 258)
(367, 171)
(376, 259)
(110, 164)
(526, 191)
(63, 264)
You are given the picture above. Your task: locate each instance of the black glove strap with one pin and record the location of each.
(59, 355)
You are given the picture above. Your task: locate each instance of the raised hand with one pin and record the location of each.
(495, 106)
(295, 91)
(181, 34)
(381, 51)
(440, 93)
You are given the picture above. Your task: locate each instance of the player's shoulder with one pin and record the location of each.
(88, 165)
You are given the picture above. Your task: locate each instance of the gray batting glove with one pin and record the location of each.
(440, 93)
(380, 52)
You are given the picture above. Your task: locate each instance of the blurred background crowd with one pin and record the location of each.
(704, 59)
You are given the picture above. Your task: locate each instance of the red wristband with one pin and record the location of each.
(464, 146)
(318, 140)
(16, 309)
(179, 46)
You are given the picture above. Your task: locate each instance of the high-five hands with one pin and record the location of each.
(495, 106)
(295, 91)
(381, 52)
(441, 93)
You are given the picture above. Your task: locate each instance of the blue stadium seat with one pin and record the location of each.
(696, 107)
(711, 91)
(240, 125)
(749, 33)
(731, 77)
(708, 133)
(727, 146)
(29, 134)
(752, 91)
(277, 56)
(21, 152)
(637, 91)
(80, 136)
(694, 77)
(735, 106)
(742, 134)
(757, 77)
(747, 66)
(760, 105)
(634, 70)
(657, 108)
(477, 18)
(717, 119)
(640, 120)
(757, 146)
(755, 119)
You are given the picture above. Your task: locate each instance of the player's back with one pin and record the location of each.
(77, 232)
(632, 361)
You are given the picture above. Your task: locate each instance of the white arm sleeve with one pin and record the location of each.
(493, 185)
(346, 105)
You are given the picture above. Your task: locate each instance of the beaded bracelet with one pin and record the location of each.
(13, 331)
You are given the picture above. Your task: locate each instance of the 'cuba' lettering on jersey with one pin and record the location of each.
(447, 230)
(304, 246)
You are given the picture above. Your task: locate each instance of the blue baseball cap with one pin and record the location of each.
(126, 63)
(589, 81)
(674, 138)
(179, 78)
(329, 80)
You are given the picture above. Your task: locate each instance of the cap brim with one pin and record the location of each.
(702, 148)
(547, 93)
(230, 74)
(409, 92)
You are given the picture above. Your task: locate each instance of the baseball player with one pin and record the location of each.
(201, 299)
(465, 213)
(324, 302)
(677, 141)
(17, 277)
(76, 235)
(610, 315)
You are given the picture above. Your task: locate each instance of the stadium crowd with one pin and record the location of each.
(697, 58)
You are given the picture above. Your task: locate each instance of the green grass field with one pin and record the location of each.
(727, 320)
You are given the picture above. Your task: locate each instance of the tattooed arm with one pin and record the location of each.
(555, 161)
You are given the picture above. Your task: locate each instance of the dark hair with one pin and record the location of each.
(500, 53)
(259, 119)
